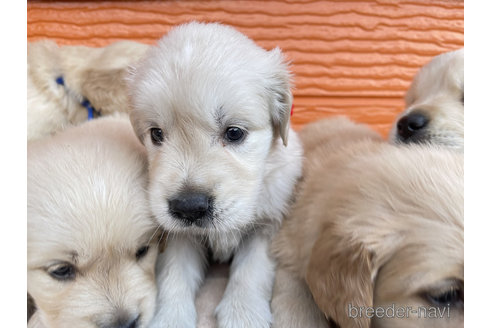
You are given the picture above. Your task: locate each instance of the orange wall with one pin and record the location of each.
(355, 58)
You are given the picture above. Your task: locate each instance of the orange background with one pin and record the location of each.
(354, 58)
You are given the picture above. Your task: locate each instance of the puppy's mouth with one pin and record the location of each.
(200, 220)
(419, 138)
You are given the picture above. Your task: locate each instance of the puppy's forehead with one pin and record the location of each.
(444, 73)
(84, 246)
(198, 69)
(216, 44)
(206, 52)
(205, 97)
(90, 217)
(212, 107)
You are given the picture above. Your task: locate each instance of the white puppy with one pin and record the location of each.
(213, 110)
(91, 241)
(435, 104)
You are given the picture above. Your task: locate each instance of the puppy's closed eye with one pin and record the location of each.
(62, 271)
(449, 295)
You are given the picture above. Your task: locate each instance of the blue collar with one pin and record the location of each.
(85, 103)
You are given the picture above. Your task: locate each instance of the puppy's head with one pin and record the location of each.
(210, 106)
(435, 104)
(391, 248)
(91, 248)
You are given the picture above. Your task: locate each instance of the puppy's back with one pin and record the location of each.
(329, 135)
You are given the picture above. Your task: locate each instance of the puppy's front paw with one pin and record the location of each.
(173, 315)
(243, 312)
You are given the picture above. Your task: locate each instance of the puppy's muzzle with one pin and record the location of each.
(191, 207)
(411, 127)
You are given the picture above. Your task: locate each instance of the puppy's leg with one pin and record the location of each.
(292, 303)
(180, 271)
(246, 300)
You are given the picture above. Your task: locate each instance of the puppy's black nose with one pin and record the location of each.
(411, 124)
(190, 206)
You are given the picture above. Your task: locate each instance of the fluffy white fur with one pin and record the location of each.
(86, 208)
(199, 80)
(92, 73)
(437, 92)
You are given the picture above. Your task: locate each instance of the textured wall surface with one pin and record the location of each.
(354, 58)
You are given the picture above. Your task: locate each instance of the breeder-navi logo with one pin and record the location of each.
(399, 312)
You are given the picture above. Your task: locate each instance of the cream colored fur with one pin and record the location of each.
(86, 207)
(437, 91)
(373, 225)
(199, 80)
(94, 73)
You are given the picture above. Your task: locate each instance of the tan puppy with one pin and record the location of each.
(374, 228)
(213, 110)
(95, 74)
(91, 241)
(435, 104)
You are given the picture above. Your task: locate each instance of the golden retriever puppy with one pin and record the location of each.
(213, 110)
(91, 241)
(435, 104)
(375, 235)
(63, 81)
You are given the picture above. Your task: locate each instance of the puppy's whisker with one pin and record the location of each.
(172, 235)
(160, 238)
(153, 234)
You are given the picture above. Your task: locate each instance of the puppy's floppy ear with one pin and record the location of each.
(105, 89)
(137, 123)
(281, 101)
(340, 275)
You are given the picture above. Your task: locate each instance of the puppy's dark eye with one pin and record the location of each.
(141, 252)
(156, 136)
(234, 134)
(63, 272)
(452, 297)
